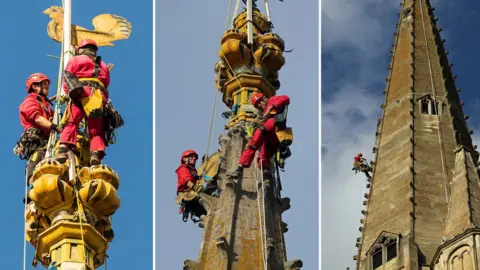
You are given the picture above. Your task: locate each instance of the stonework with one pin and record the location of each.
(425, 184)
(234, 235)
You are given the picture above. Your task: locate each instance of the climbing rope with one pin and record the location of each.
(228, 13)
(235, 12)
(58, 102)
(25, 226)
(261, 206)
(212, 125)
(79, 206)
(435, 107)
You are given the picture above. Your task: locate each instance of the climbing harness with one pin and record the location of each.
(31, 140)
(191, 209)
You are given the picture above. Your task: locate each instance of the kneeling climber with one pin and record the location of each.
(187, 176)
(35, 115)
(359, 164)
(87, 79)
(189, 185)
(265, 136)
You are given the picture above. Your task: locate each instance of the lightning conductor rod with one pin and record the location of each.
(53, 56)
(250, 20)
(67, 25)
(267, 10)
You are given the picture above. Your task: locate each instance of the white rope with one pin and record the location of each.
(442, 157)
(235, 12)
(212, 125)
(228, 13)
(265, 260)
(261, 218)
(56, 120)
(213, 119)
(25, 225)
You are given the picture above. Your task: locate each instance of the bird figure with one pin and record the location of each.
(108, 28)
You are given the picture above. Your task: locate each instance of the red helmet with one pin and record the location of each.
(188, 153)
(35, 78)
(256, 97)
(86, 42)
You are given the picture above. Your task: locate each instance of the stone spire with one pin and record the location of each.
(422, 144)
(243, 227)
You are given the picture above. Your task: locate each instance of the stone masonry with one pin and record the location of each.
(423, 206)
(233, 235)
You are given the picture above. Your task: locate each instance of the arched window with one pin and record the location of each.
(428, 105)
(383, 251)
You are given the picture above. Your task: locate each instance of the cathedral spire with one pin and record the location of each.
(422, 145)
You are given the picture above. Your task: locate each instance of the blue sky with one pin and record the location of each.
(131, 92)
(356, 39)
(188, 39)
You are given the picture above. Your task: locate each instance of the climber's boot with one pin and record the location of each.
(96, 158)
(61, 155)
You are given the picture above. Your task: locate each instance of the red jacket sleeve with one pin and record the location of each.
(31, 110)
(184, 176)
(70, 68)
(279, 101)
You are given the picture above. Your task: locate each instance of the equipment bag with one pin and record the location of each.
(281, 118)
(112, 121)
(31, 140)
(93, 104)
(285, 136)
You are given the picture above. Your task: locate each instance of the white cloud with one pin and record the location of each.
(356, 37)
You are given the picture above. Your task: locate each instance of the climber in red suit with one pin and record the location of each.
(264, 138)
(93, 73)
(187, 176)
(35, 115)
(359, 163)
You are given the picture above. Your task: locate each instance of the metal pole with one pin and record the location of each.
(250, 20)
(64, 57)
(67, 25)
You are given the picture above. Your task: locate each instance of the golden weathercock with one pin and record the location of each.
(69, 218)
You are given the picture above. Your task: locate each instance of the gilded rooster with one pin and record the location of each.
(108, 28)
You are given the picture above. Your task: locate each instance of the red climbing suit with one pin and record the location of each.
(33, 106)
(83, 66)
(185, 173)
(268, 142)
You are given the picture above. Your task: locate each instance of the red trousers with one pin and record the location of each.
(266, 141)
(96, 131)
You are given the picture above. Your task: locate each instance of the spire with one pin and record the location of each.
(464, 207)
(421, 126)
(243, 227)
